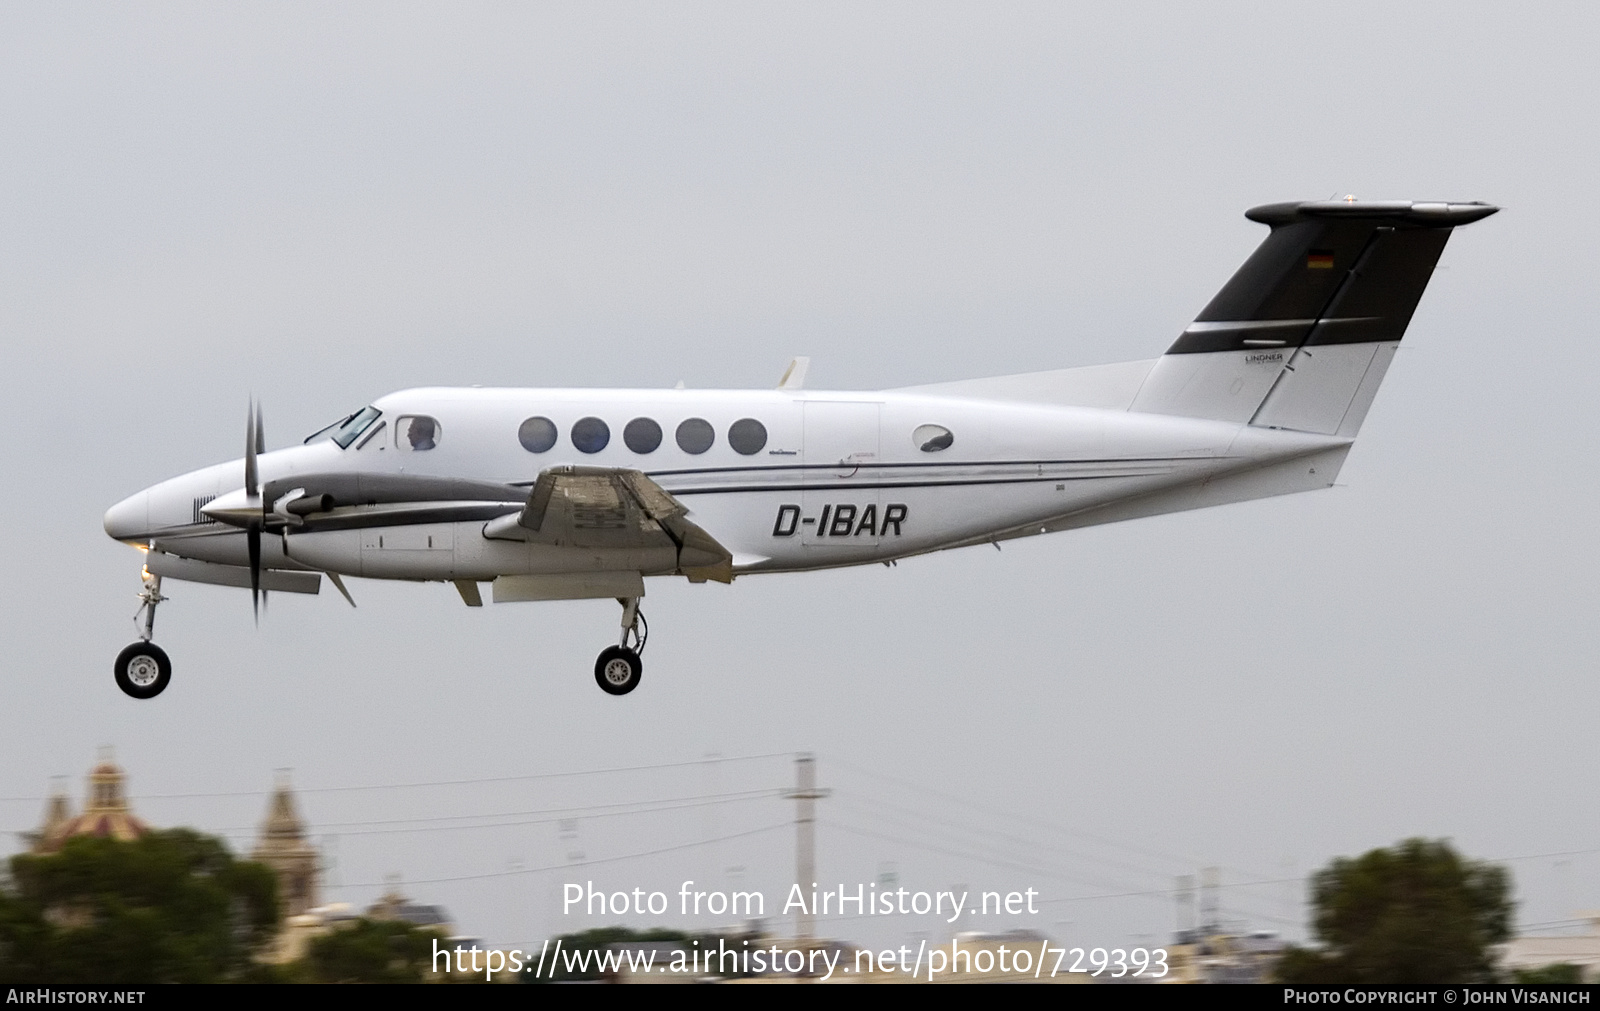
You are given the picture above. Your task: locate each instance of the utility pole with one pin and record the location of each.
(1291, 900)
(1185, 894)
(714, 872)
(805, 794)
(1210, 900)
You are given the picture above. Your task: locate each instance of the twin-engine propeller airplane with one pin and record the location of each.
(571, 494)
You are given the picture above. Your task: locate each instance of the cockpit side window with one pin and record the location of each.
(416, 432)
(374, 437)
(353, 426)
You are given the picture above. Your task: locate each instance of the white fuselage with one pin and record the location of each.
(838, 479)
(555, 494)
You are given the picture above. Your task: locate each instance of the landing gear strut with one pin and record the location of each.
(618, 668)
(142, 669)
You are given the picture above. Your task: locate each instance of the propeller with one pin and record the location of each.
(254, 443)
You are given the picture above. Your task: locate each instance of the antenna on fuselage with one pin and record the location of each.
(794, 377)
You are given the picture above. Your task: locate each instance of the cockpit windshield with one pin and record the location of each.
(345, 431)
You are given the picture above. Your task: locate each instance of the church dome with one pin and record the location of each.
(105, 812)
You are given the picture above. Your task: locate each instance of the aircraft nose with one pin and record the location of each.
(129, 520)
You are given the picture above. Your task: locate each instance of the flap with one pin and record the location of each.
(605, 507)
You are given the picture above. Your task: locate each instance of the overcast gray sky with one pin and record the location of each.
(318, 204)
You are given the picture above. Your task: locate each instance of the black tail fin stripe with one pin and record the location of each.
(1329, 273)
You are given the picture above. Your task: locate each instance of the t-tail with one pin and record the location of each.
(1302, 335)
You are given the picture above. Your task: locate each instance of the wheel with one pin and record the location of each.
(617, 670)
(143, 670)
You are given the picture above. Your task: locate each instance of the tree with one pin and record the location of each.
(170, 907)
(1416, 913)
(370, 951)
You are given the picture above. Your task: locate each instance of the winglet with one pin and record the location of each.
(794, 377)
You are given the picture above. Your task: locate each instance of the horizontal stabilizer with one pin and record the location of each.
(1307, 473)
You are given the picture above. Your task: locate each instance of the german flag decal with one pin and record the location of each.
(1319, 259)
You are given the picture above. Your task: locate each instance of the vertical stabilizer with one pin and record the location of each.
(1302, 334)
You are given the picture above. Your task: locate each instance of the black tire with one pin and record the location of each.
(143, 670)
(618, 669)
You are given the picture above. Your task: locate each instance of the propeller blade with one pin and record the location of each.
(253, 539)
(255, 443)
(252, 439)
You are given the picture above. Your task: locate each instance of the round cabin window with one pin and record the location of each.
(537, 435)
(696, 435)
(747, 436)
(642, 435)
(590, 435)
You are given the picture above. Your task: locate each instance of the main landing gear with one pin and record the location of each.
(142, 669)
(618, 668)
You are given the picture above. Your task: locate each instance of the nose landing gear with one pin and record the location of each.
(142, 669)
(618, 668)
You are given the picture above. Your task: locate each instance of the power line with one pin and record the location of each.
(599, 810)
(540, 821)
(1556, 923)
(434, 783)
(1013, 839)
(992, 861)
(985, 855)
(1161, 893)
(585, 863)
(1541, 856)
(1166, 892)
(1103, 840)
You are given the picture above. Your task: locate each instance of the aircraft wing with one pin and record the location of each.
(604, 507)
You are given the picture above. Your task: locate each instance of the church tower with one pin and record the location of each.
(283, 847)
(105, 811)
(57, 812)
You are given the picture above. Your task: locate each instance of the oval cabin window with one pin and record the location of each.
(932, 438)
